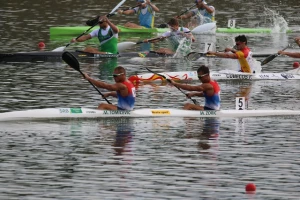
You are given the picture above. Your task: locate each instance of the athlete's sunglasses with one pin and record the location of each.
(116, 75)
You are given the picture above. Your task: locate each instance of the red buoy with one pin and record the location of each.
(296, 65)
(250, 187)
(41, 45)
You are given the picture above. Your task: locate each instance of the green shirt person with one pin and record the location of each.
(107, 35)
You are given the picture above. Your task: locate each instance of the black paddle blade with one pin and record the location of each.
(93, 22)
(193, 56)
(271, 57)
(268, 59)
(71, 60)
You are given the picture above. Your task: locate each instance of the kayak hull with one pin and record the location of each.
(84, 113)
(221, 75)
(210, 27)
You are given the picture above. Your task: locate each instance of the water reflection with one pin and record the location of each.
(245, 91)
(208, 138)
(123, 137)
(205, 130)
(107, 67)
(240, 128)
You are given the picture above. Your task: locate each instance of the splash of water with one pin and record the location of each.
(256, 66)
(276, 21)
(184, 48)
(198, 20)
(224, 42)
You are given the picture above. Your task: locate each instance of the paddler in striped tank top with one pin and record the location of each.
(203, 13)
(242, 53)
(174, 35)
(209, 89)
(145, 11)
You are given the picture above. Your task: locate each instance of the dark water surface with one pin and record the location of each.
(159, 158)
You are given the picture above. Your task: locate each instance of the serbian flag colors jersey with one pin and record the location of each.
(127, 103)
(213, 101)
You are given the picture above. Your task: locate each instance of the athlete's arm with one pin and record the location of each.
(186, 16)
(101, 84)
(208, 8)
(126, 12)
(82, 38)
(152, 5)
(290, 54)
(223, 55)
(195, 94)
(112, 94)
(113, 27)
(198, 88)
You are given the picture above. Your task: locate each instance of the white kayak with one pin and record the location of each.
(208, 28)
(68, 113)
(221, 75)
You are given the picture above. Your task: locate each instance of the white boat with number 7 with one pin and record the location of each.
(221, 75)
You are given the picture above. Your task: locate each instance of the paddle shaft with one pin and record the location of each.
(150, 40)
(192, 56)
(271, 57)
(194, 101)
(81, 34)
(110, 15)
(187, 10)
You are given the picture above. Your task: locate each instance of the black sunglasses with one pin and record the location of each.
(100, 22)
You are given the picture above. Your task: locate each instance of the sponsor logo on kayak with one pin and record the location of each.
(208, 112)
(116, 112)
(106, 55)
(90, 112)
(239, 76)
(160, 112)
(75, 110)
(64, 110)
(264, 76)
(287, 76)
(70, 110)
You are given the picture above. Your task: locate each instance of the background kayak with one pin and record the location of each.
(76, 30)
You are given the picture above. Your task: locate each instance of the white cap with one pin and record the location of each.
(196, 1)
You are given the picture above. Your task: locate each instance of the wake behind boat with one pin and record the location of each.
(221, 75)
(85, 113)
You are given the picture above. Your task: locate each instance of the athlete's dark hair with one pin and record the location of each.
(204, 69)
(120, 69)
(241, 38)
(173, 22)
